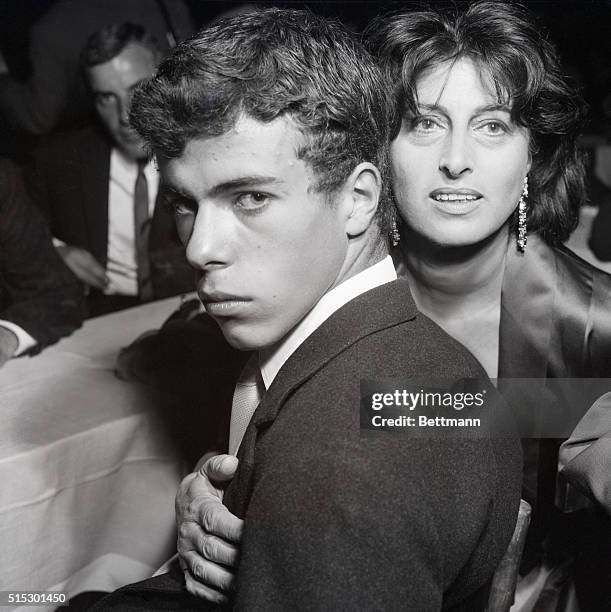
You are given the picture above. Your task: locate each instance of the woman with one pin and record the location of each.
(488, 181)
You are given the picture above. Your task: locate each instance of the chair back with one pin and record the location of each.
(505, 577)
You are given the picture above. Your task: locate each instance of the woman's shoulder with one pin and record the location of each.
(556, 265)
(554, 298)
(569, 259)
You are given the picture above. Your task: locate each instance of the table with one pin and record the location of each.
(87, 473)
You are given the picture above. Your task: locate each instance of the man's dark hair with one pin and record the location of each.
(512, 49)
(268, 64)
(105, 44)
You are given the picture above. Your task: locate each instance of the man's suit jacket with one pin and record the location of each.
(342, 519)
(69, 181)
(37, 292)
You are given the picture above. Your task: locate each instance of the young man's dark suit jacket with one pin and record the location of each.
(69, 180)
(339, 519)
(37, 292)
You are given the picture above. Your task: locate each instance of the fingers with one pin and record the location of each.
(208, 534)
(85, 266)
(202, 591)
(212, 548)
(92, 270)
(215, 519)
(209, 574)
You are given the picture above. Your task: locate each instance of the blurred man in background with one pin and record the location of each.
(100, 191)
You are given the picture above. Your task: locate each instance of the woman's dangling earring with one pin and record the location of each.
(395, 236)
(522, 206)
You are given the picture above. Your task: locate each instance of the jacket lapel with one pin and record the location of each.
(380, 308)
(95, 179)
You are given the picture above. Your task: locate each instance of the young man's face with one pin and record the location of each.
(268, 245)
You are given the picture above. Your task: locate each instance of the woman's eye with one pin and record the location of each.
(424, 124)
(495, 128)
(252, 200)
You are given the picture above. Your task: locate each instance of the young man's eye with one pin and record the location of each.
(252, 200)
(182, 208)
(179, 206)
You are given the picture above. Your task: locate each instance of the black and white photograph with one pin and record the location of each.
(305, 305)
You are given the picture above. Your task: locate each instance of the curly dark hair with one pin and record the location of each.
(266, 64)
(505, 40)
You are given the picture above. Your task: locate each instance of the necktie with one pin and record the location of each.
(246, 397)
(142, 227)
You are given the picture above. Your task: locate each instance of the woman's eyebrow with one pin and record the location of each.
(493, 107)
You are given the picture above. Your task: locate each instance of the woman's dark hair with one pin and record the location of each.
(510, 47)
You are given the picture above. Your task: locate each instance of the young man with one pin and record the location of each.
(100, 192)
(270, 129)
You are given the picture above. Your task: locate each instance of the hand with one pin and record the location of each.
(84, 265)
(208, 534)
(8, 345)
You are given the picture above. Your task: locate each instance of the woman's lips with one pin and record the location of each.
(456, 201)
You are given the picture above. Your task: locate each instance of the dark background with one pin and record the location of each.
(581, 30)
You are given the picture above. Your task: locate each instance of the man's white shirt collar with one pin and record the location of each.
(271, 360)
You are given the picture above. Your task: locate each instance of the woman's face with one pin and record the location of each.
(458, 167)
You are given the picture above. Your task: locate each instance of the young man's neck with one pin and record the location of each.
(361, 254)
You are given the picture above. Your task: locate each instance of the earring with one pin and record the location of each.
(395, 236)
(522, 206)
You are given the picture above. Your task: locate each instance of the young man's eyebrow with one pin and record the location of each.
(243, 182)
(225, 186)
(170, 189)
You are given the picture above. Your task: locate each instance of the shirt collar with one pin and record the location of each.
(271, 360)
(124, 170)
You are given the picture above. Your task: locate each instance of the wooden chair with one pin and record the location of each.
(506, 575)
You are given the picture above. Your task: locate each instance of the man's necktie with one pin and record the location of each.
(246, 397)
(142, 228)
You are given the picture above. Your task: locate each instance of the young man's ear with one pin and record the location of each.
(362, 193)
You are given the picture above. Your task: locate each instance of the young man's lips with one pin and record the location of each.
(222, 303)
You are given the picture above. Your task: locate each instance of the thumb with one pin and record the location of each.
(220, 467)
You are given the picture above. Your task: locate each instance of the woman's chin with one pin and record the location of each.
(456, 238)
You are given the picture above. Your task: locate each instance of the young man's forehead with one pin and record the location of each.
(251, 151)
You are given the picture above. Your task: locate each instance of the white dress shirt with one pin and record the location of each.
(121, 267)
(249, 390)
(273, 358)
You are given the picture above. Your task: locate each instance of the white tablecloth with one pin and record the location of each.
(87, 473)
